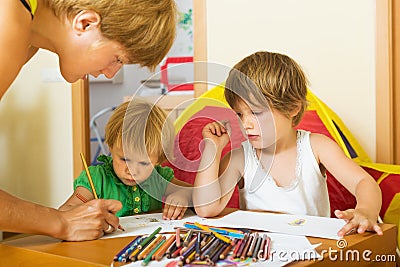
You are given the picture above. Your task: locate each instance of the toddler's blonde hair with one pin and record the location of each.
(141, 127)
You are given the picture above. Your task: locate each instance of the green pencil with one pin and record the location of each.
(150, 255)
(147, 239)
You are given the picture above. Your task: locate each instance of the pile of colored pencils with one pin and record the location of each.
(198, 244)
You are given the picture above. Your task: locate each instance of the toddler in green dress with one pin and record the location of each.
(140, 137)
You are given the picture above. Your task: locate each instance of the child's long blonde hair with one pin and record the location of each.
(266, 78)
(141, 127)
(146, 28)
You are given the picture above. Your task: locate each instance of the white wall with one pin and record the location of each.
(36, 135)
(334, 41)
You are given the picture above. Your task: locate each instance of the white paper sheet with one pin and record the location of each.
(281, 223)
(147, 223)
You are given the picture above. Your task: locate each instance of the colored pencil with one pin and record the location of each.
(216, 256)
(198, 244)
(178, 237)
(160, 253)
(219, 236)
(188, 238)
(225, 252)
(243, 255)
(176, 253)
(125, 248)
(170, 249)
(267, 249)
(239, 253)
(191, 243)
(147, 239)
(257, 248)
(128, 252)
(152, 252)
(261, 252)
(252, 246)
(135, 254)
(91, 184)
(236, 248)
(153, 244)
(223, 231)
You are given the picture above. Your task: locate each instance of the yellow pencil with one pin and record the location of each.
(217, 235)
(91, 183)
(89, 176)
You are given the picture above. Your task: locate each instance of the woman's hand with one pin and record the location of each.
(90, 220)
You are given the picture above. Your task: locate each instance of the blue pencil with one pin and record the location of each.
(218, 230)
(125, 248)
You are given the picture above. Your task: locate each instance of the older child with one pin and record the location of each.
(278, 168)
(140, 137)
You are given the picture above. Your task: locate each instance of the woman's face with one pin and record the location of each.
(102, 57)
(86, 51)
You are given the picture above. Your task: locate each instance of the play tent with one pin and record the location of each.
(318, 118)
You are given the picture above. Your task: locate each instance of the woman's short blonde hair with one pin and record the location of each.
(145, 28)
(267, 78)
(141, 127)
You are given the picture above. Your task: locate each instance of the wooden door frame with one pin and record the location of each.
(387, 84)
(396, 79)
(80, 124)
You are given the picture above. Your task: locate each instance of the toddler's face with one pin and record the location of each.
(134, 168)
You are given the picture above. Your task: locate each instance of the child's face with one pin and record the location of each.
(132, 169)
(262, 125)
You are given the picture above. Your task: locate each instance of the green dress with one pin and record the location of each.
(144, 197)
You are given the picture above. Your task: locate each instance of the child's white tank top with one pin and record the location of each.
(307, 195)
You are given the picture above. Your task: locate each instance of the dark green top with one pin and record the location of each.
(136, 199)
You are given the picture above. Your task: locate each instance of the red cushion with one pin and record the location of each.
(188, 144)
(188, 147)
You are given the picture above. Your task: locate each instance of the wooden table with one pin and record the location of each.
(45, 251)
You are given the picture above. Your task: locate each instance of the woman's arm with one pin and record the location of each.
(81, 195)
(15, 35)
(84, 222)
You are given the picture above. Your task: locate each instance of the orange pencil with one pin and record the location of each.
(150, 247)
(160, 253)
(91, 185)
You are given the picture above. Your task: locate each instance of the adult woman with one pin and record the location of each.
(90, 37)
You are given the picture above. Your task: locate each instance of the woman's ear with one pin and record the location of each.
(85, 20)
(295, 111)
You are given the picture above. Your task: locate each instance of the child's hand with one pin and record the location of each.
(218, 132)
(175, 206)
(357, 220)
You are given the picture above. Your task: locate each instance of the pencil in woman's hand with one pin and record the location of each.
(91, 185)
(89, 176)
